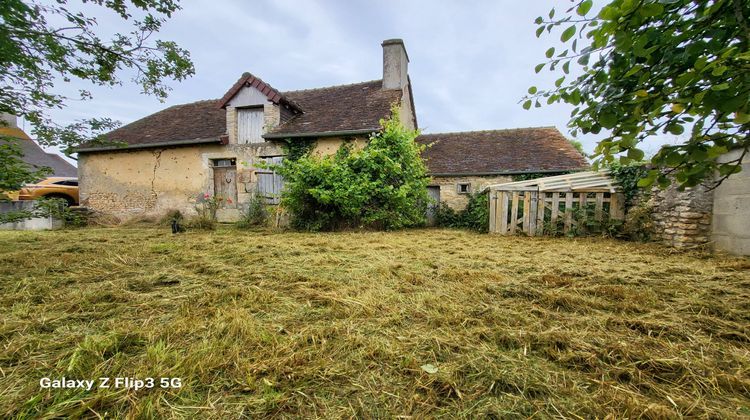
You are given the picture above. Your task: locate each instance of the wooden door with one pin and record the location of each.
(225, 185)
(434, 194)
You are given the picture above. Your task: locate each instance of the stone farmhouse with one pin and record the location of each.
(170, 159)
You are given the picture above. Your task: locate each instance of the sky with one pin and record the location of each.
(471, 61)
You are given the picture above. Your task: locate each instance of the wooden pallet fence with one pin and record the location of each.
(537, 213)
(554, 204)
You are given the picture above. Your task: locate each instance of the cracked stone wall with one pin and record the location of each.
(151, 182)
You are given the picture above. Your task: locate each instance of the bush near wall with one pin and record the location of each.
(475, 216)
(382, 186)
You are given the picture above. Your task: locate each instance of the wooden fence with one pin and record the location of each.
(555, 204)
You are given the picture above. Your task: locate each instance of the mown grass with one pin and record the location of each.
(341, 325)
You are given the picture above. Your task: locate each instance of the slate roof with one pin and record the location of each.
(357, 107)
(521, 150)
(35, 157)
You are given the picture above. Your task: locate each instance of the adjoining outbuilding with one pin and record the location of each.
(221, 148)
(461, 164)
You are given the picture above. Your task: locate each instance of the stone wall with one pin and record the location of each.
(151, 182)
(449, 187)
(682, 218)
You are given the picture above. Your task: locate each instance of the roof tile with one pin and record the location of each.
(501, 151)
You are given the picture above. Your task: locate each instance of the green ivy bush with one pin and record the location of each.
(476, 215)
(381, 186)
(628, 176)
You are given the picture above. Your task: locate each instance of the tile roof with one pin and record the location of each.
(35, 157)
(538, 149)
(201, 121)
(355, 107)
(346, 108)
(248, 79)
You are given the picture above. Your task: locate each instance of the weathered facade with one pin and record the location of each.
(731, 210)
(172, 159)
(464, 163)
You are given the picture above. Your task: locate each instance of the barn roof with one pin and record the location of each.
(497, 152)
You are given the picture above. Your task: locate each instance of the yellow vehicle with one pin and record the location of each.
(52, 187)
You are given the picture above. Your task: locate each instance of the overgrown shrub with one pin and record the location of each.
(256, 213)
(58, 208)
(475, 215)
(638, 224)
(381, 186)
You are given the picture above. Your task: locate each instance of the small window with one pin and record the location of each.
(464, 188)
(223, 163)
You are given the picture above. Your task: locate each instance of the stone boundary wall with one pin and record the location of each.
(682, 218)
(705, 214)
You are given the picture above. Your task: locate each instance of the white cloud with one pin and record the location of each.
(471, 61)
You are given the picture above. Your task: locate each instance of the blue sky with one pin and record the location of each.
(470, 61)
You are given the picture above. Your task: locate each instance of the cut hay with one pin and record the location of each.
(418, 323)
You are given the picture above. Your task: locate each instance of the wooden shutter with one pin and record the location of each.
(249, 125)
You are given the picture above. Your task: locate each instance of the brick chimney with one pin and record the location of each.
(395, 64)
(8, 120)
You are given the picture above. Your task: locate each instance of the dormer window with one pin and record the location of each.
(250, 125)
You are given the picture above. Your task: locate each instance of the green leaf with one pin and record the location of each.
(609, 13)
(635, 154)
(675, 129)
(538, 67)
(650, 9)
(539, 20)
(566, 67)
(532, 90)
(550, 52)
(527, 104)
(559, 81)
(584, 7)
(552, 13)
(607, 119)
(568, 33)
(539, 31)
(720, 87)
(741, 117)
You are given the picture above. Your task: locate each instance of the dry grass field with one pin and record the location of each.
(418, 323)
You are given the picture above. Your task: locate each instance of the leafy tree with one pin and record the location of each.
(45, 44)
(381, 186)
(655, 66)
